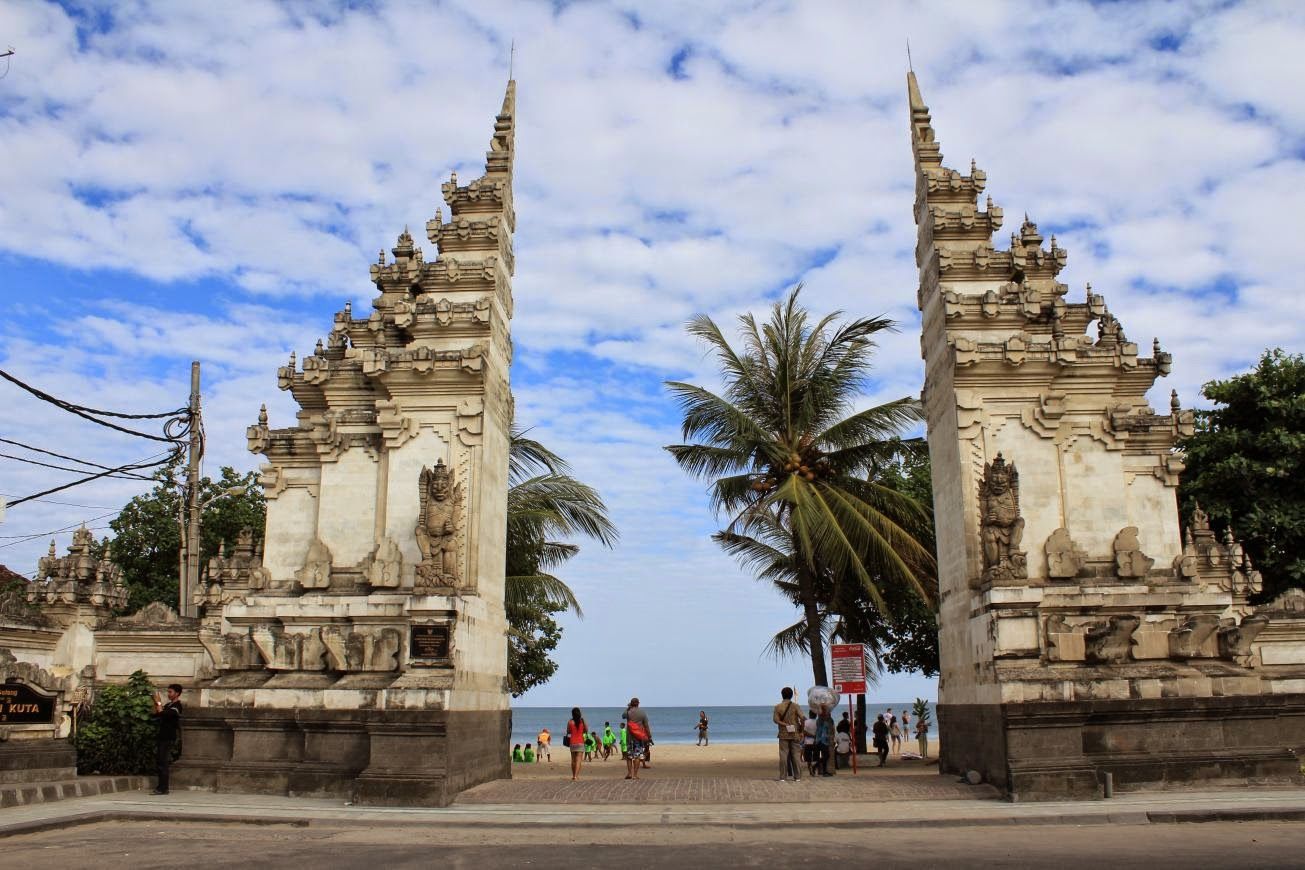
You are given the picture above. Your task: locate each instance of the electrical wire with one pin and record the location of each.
(122, 476)
(51, 453)
(174, 454)
(87, 413)
(22, 539)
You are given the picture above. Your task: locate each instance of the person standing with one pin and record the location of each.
(824, 741)
(702, 729)
(638, 737)
(881, 739)
(168, 717)
(545, 746)
(576, 729)
(895, 734)
(789, 719)
(609, 740)
(842, 750)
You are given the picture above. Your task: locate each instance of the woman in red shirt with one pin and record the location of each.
(576, 729)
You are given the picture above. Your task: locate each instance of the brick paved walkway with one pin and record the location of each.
(725, 790)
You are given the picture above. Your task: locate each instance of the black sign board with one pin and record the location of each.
(428, 642)
(20, 704)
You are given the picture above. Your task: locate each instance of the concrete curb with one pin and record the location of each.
(91, 817)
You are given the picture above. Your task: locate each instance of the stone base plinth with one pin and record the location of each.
(40, 760)
(1061, 750)
(378, 757)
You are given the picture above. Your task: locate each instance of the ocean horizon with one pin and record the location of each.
(728, 724)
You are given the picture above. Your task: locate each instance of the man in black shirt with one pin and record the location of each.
(169, 719)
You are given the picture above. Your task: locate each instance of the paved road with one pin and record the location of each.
(188, 844)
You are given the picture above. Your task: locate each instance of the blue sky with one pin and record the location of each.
(211, 181)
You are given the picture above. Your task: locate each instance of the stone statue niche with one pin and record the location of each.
(1000, 525)
(437, 528)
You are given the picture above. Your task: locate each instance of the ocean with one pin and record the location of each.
(679, 724)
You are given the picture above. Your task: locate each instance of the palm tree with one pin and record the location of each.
(792, 465)
(544, 504)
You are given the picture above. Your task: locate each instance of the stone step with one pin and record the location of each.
(18, 794)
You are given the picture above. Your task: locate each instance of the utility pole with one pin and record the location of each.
(190, 568)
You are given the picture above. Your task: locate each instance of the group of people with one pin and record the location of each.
(812, 738)
(634, 738)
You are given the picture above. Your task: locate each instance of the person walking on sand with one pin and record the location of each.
(881, 739)
(545, 744)
(789, 719)
(895, 735)
(638, 737)
(702, 729)
(576, 729)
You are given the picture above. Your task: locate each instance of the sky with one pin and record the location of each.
(206, 181)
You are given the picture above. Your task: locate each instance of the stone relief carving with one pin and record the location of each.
(1110, 642)
(286, 651)
(437, 527)
(1001, 527)
(357, 649)
(316, 573)
(233, 651)
(1235, 641)
(471, 420)
(1064, 558)
(1130, 561)
(396, 428)
(384, 567)
(1189, 638)
(79, 577)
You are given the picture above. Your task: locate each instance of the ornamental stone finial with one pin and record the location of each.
(1174, 405)
(262, 415)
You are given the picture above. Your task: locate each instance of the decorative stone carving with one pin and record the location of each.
(316, 573)
(1064, 643)
(1109, 331)
(1130, 561)
(286, 651)
(1110, 642)
(1064, 558)
(1235, 641)
(471, 420)
(384, 567)
(437, 527)
(1190, 638)
(1001, 526)
(396, 429)
(154, 613)
(233, 651)
(79, 577)
(352, 649)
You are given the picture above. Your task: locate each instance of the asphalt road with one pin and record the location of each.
(481, 847)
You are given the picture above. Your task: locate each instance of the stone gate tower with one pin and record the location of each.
(1080, 631)
(367, 639)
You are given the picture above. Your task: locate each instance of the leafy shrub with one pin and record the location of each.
(118, 735)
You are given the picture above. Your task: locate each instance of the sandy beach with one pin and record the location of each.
(678, 760)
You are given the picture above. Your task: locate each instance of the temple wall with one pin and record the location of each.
(347, 515)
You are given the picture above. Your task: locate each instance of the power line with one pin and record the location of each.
(95, 507)
(124, 476)
(172, 454)
(181, 414)
(22, 539)
(52, 453)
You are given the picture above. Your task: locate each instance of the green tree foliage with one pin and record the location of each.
(532, 636)
(1246, 465)
(793, 466)
(147, 535)
(118, 736)
(544, 504)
